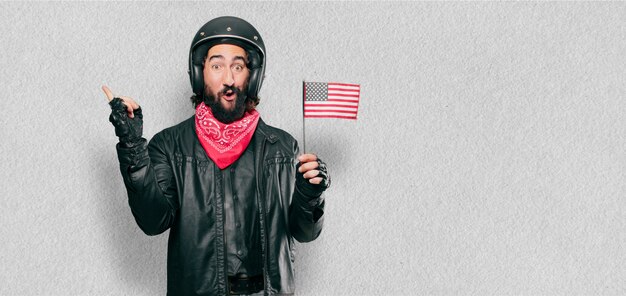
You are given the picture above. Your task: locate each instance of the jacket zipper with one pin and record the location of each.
(262, 217)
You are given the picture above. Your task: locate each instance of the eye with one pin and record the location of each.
(215, 67)
(238, 68)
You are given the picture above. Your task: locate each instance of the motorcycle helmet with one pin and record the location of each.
(227, 30)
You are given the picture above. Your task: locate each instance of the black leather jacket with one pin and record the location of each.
(171, 184)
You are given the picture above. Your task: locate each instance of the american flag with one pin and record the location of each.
(331, 100)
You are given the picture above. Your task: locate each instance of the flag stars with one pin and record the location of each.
(316, 91)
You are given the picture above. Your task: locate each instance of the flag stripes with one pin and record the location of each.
(331, 100)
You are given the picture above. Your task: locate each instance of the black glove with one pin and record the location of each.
(313, 190)
(129, 130)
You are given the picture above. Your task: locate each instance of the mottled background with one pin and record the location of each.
(488, 157)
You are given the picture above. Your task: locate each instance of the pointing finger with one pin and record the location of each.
(107, 92)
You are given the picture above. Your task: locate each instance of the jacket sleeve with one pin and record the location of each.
(149, 182)
(306, 213)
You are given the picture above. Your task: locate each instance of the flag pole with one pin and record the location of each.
(303, 118)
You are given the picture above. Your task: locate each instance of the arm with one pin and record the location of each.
(306, 216)
(306, 211)
(150, 185)
(146, 171)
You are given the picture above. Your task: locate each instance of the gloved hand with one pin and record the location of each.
(126, 117)
(312, 177)
(129, 130)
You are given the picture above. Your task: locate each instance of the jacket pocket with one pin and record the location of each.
(195, 179)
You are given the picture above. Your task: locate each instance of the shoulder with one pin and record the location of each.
(277, 136)
(174, 133)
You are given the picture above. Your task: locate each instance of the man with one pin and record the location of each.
(227, 185)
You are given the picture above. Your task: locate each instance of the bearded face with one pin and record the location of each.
(226, 81)
(224, 111)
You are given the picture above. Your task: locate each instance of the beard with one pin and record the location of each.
(219, 112)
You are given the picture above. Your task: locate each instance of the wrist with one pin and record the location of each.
(308, 189)
(128, 142)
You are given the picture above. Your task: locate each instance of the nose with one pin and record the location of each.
(229, 78)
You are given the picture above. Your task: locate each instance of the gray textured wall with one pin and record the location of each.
(488, 157)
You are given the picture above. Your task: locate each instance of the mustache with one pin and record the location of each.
(227, 88)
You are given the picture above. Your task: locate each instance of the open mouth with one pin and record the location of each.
(229, 95)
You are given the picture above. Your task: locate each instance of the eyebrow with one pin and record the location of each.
(219, 56)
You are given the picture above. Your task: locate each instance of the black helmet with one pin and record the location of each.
(227, 30)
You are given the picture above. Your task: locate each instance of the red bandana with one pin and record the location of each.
(224, 143)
